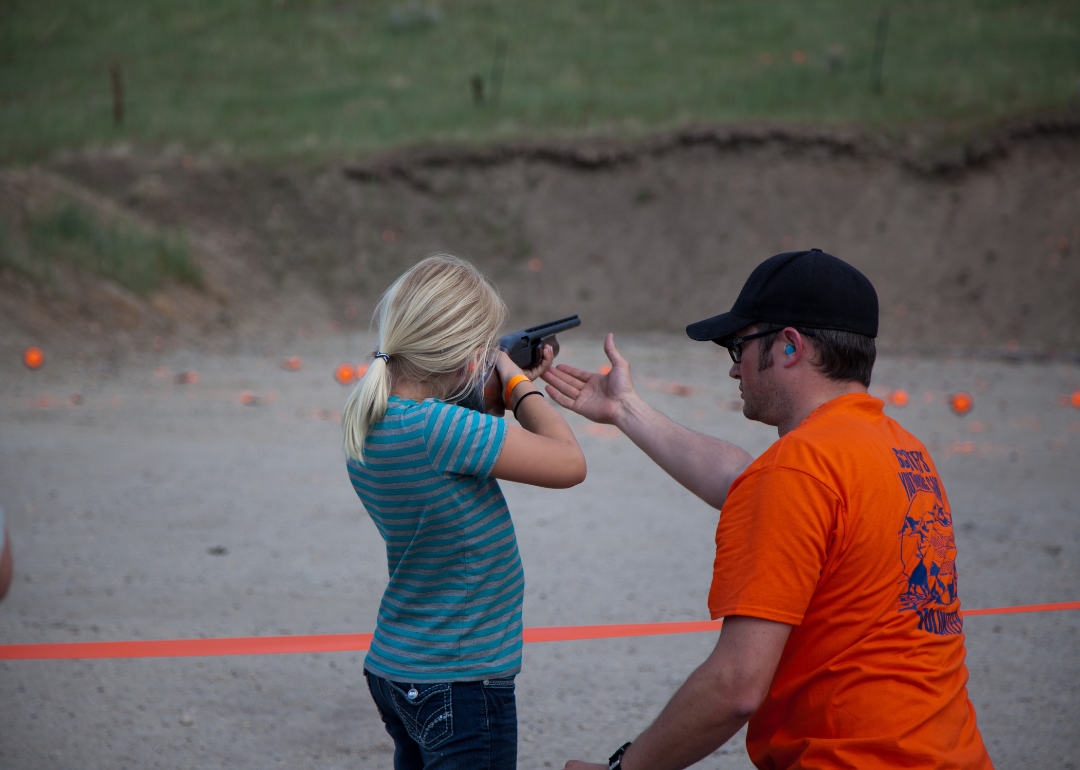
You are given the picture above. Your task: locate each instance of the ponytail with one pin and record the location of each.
(366, 406)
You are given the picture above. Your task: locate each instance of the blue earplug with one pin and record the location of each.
(789, 349)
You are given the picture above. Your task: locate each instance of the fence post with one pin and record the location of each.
(879, 51)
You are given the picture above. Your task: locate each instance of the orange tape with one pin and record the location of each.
(1024, 608)
(573, 633)
(180, 648)
(277, 645)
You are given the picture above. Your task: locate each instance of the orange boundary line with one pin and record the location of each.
(1025, 608)
(277, 645)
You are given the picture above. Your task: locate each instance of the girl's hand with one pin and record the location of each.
(542, 367)
(507, 369)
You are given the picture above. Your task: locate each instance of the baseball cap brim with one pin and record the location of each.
(717, 328)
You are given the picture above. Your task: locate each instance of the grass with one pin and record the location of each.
(137, 261)
(325, 78)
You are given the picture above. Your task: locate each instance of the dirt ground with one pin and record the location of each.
(115, 505)
(142, 508)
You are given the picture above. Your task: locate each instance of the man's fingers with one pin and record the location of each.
(551, 377)
(564, 377)
(579, 374)
(566, 388)
(559, 398)
(612, 352)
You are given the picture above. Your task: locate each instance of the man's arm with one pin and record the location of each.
(711, 706)
(703, 464)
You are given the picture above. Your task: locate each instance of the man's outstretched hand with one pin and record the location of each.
(598, 397)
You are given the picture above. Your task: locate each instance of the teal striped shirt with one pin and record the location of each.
(452, 609)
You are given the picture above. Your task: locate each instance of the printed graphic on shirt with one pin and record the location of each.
(927, 549)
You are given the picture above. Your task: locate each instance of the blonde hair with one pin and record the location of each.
(437, 323)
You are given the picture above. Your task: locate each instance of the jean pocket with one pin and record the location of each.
(426, 711)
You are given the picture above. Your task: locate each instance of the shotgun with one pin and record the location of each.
(526, 349)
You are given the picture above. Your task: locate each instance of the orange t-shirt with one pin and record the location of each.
(843, 530)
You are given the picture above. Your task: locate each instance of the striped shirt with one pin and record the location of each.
(452, 609)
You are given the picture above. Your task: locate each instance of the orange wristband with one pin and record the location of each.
(514, 382)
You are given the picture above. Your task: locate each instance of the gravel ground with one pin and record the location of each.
(157, 510)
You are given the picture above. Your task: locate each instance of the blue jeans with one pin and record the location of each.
(449, 725)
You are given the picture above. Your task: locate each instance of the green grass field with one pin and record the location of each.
(138, 261)
(313, 79)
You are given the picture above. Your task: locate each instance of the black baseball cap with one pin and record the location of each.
(798, 288)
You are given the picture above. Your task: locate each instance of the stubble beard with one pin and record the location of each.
(766, 402)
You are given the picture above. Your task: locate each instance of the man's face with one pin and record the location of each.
(764, 398)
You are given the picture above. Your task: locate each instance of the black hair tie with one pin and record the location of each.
(523, 397)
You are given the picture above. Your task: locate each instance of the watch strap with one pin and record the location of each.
(615, 760)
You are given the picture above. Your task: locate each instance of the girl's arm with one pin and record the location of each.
(542, 451)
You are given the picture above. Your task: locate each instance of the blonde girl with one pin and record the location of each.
(447, 641)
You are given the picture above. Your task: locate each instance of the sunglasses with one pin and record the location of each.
(734, 346)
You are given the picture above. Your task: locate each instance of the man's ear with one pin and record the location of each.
(793, 346)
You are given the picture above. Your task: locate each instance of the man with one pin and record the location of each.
(835, 561)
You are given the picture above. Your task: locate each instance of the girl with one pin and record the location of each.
(447, 642)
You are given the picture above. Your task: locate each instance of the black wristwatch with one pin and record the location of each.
(615, 760)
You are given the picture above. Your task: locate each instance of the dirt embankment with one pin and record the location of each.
(976, 251)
